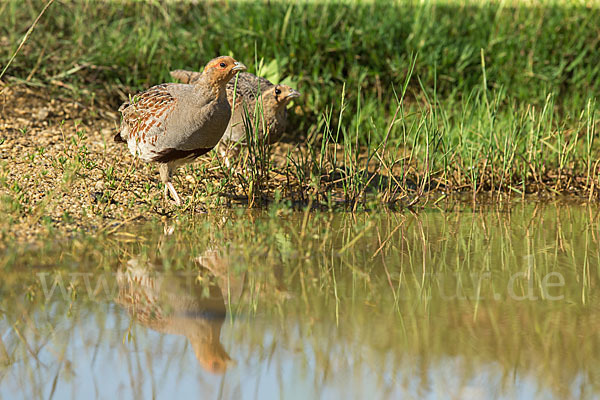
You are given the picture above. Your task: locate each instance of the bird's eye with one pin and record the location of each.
(222, 65)
(277, 91)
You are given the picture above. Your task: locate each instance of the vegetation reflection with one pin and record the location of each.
(512, 295)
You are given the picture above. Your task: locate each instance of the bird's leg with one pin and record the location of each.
(165, 176)
(230, 152)
(223, 152)
(163, 170)
(234, 151)
(174, 193)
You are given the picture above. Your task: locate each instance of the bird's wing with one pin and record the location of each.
(145, 114)
(185, 76)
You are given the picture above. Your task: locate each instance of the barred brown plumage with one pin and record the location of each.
(146, 111)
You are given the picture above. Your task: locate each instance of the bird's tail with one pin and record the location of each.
(119, 139)
(185, 76)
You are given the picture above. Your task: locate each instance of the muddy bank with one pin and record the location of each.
(60, 168)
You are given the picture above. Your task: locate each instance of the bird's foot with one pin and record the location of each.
(169, 189)
(174, 194)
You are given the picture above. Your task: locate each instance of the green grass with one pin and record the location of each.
(530, 51)
(497, 96)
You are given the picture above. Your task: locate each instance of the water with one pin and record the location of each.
(459, 302)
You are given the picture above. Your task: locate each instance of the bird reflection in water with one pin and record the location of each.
(190, 304)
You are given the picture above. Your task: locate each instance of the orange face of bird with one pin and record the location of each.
(280, 95)
(223, 68)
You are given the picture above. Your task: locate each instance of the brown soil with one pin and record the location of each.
(39, 180)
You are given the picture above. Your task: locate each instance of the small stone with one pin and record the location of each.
(99, 186)
(107, 132)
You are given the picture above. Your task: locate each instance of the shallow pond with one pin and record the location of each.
(460, 302)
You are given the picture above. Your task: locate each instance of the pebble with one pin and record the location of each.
(42, 114)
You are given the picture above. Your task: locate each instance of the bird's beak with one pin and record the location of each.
(292, 94)
(238, 66)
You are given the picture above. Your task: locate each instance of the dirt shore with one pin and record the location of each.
(61, 171)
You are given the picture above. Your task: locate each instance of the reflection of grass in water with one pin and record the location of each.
(397, 287)
(415, 322)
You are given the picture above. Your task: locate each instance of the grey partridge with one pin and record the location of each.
(173, 124)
